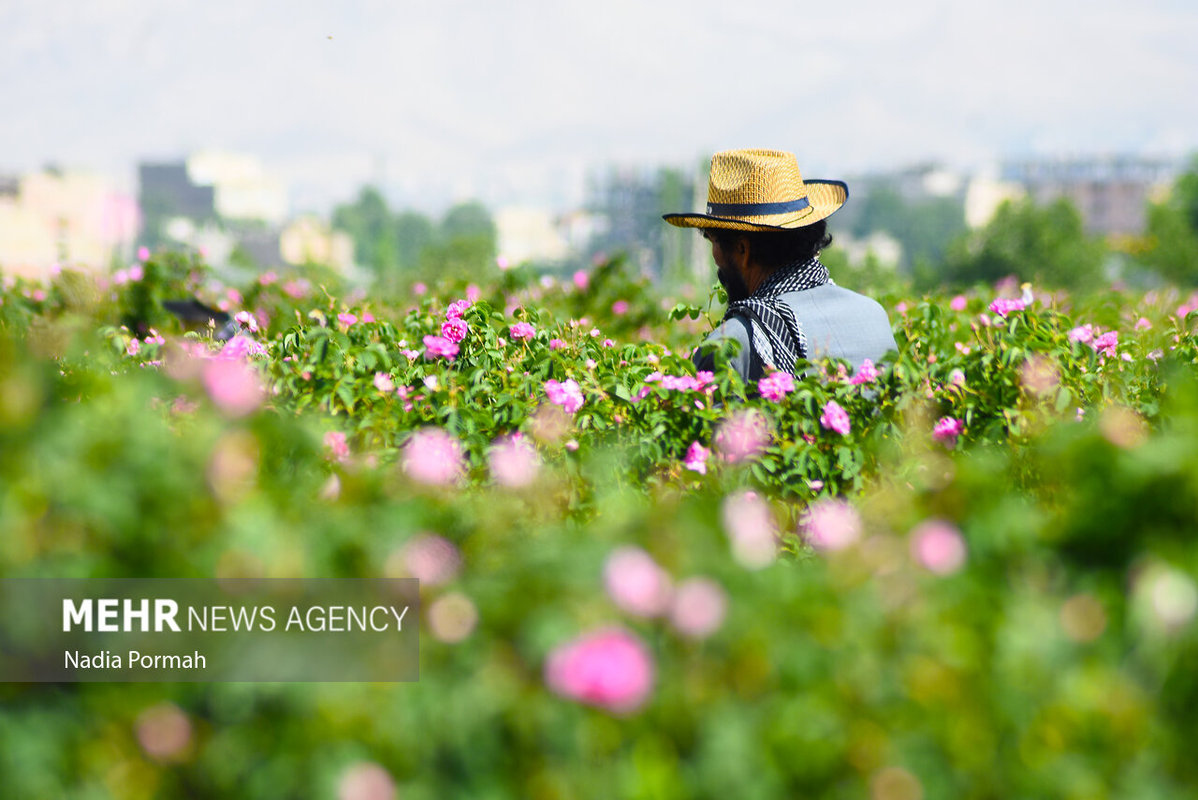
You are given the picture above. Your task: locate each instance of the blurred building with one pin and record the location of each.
(208, 187)
(56, 217)
(242, 190)
(530, 234)
(985, 193)
(1112, 194)
(310, 240)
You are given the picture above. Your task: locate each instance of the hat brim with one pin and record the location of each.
(825, 197)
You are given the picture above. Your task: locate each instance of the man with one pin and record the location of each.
(766, 226)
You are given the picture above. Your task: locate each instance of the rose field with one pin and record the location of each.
(967, 571)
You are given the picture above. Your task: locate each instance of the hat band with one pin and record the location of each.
(756, 209)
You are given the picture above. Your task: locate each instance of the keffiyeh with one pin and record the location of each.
(776, 334)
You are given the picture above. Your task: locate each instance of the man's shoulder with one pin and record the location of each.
(736, 326)
(831, 293)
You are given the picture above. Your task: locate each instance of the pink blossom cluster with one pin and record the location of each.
(242, 347)
(567, 394)
(776, 386)
(866, 373)
(457, 308)
(947, 430)
(835, 418)
(246, 319)
(700, 381)
(383, 382)
(454, 330)
(1003, 306)
(337, 446)
(1103, 343)
(522, 331)
(347, 320)
(440, 347)
(431, 559)
(696, 458)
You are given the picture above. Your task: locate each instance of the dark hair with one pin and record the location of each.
(773, 249)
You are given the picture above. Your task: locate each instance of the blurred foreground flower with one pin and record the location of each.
(699, 607)
(937, 545)
(636, 583)
(750, 528)
(432, 456)
(514, 462)
(233, 385)
(452, 617)
(164, 732)
(742, 436)
(831, 524)
(430, 559)
(696, 458)
(609, 668)
(336, 445)
(365, 781)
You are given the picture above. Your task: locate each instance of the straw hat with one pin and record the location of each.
(762, 190)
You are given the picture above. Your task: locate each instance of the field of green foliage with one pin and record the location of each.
(965, 572)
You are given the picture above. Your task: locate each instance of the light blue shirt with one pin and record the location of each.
(838, 323)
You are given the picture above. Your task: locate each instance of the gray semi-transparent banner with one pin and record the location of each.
(183, 629)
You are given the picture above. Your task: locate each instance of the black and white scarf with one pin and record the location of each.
(776, 334)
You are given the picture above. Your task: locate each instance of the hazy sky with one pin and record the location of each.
(516, 101)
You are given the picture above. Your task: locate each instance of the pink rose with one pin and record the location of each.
(522, 330)
(567, 394)
(454, 329)
(867, 373)
(439, 347)
(457, 308)
(776, 385)
(835, 418)
(696, 458)
(947, 430)
(1003, 306)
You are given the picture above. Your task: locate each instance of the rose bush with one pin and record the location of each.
(976, 580)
